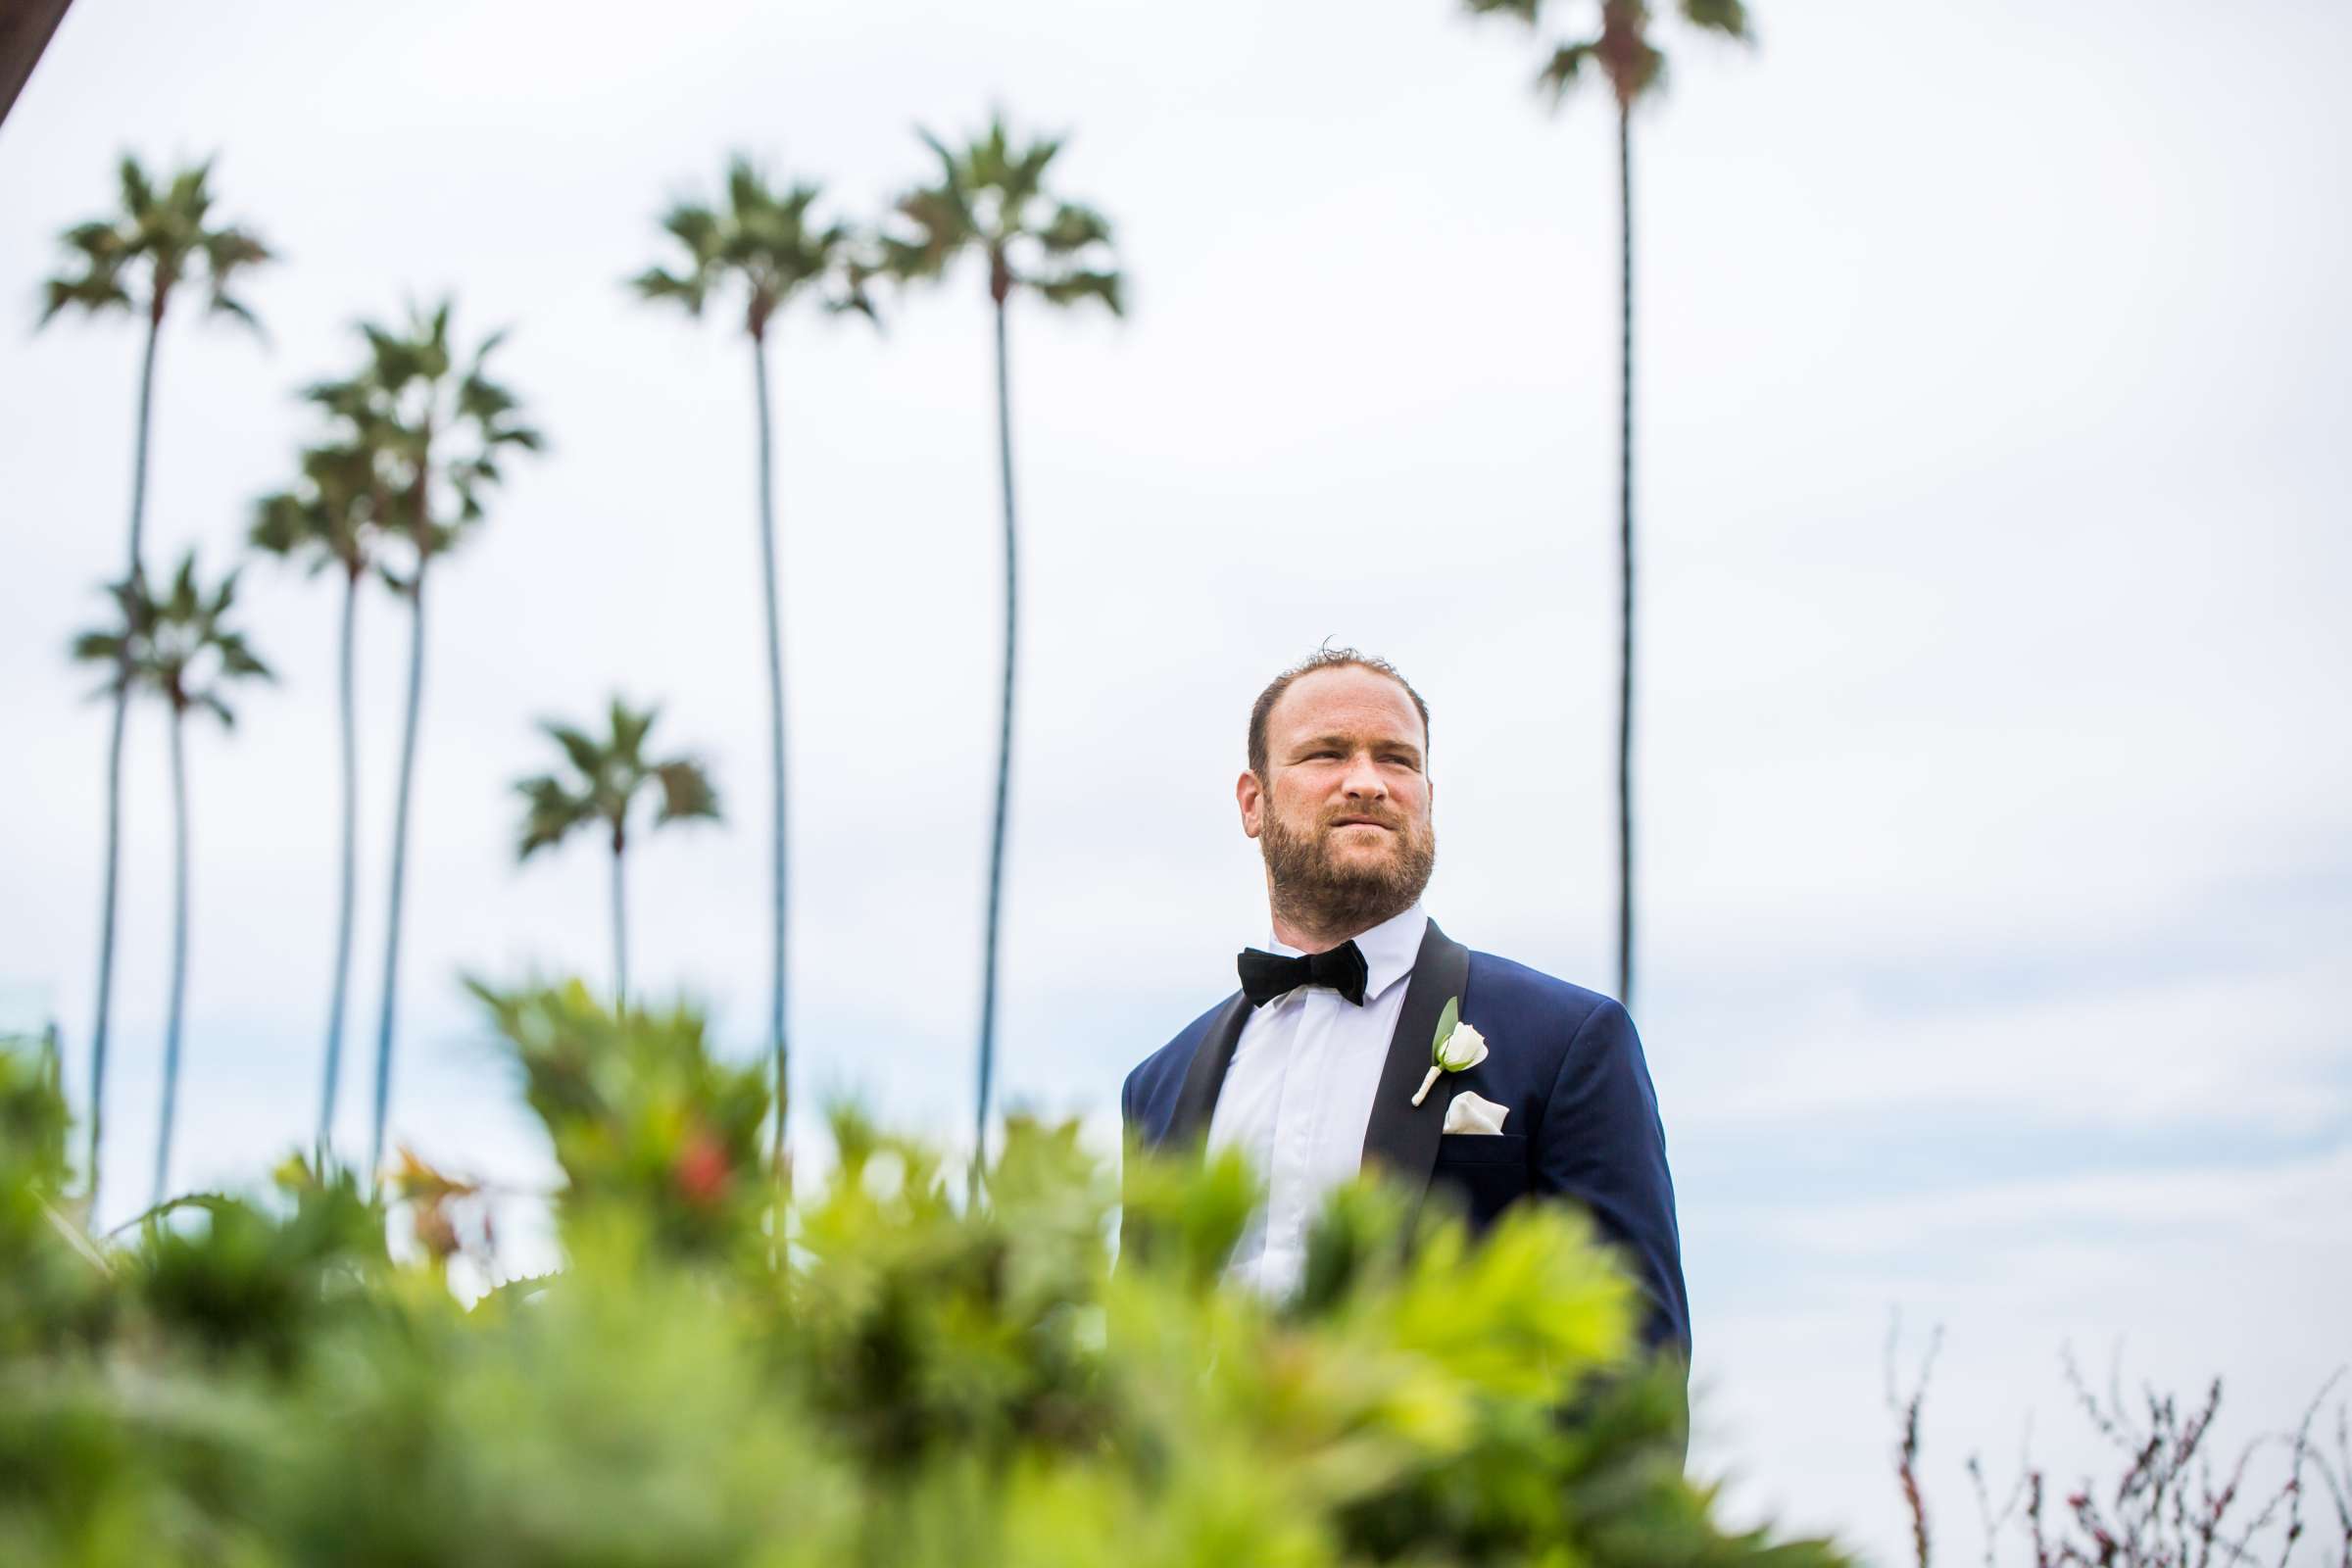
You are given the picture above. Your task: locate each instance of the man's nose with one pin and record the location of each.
(1364, 780)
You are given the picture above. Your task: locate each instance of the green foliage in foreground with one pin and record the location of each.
(258, 1381)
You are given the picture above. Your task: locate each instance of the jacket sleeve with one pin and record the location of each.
(1128, 1147)
(1600, 1143)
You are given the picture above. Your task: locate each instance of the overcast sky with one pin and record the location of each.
(1993, 764)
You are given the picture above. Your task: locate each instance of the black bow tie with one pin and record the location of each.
(1267, 975)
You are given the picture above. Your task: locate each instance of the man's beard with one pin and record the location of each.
(1315, 892)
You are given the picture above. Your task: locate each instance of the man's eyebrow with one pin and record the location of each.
(1347, 743)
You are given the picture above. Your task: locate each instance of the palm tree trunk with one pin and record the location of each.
(1625, 556)
(996, 851)
(399, 868)
(113, 757)
(350, 868)
(138, 463)
(621, 932)
(179, 957)
(106, 927)
(775, 741)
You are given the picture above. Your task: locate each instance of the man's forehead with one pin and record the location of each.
(1345, 698)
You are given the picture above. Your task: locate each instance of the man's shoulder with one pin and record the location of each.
(1539, 1016)
(1510, 983)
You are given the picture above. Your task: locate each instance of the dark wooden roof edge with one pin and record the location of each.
(26, 28)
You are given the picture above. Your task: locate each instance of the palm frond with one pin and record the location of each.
(229, 250)
(325, 523)
(480, 398)
(138, 193)
(490, 344)
(628, 734)
(656, 284)
(552, 813)
(98, 648)
(281, 524)
(748, 190)
(607, 774)
(92, 292)
(164, 646)
(428, 429)
(1071, 288)
(1024, 173)
(187, 196)
(1524, 10)
(584, 754)
(988, 189)
(238, 658)
(237, 310)
(697, 228)
(1564, 70)
(1727, 16)
(392, 362)
(858, 303)
(1649, 72)
(942, 227)
(686, 792)
(949, 174)
(169, 230)
(98, 240)
(1073, 228)
(760, 240)
(181, 602)
(1622, 52)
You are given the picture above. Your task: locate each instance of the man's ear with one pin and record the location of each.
(1251, 796)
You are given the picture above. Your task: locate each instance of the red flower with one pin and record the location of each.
(701, 1171)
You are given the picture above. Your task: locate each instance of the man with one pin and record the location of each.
(1311, 1068)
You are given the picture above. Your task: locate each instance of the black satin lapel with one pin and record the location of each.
(1206, 1076)
(1401, 1137)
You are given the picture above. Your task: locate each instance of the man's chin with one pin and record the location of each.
(1372, 862)
(1363, 876)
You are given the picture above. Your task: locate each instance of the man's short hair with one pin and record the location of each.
(1324, 658)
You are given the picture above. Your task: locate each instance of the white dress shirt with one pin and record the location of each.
(1298, 1096)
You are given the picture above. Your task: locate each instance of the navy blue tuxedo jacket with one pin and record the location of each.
(1582, 1122)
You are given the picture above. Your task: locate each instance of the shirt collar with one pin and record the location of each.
(1388, 949)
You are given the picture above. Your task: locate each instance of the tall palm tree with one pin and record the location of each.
(178, 648)
(435, 427)
(1634, 66)
(990, 201)
(767, 249)
(135, 261)
(329, 521)
(606, 777)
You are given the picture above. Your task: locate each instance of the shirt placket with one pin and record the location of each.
(1297, 1118)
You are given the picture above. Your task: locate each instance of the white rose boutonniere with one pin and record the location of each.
(1456, 1046)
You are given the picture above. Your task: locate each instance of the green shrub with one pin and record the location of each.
(909, 1379)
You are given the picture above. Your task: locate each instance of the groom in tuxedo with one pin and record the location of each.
(1310, 1067)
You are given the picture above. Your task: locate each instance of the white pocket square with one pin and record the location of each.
(1468, 1114)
